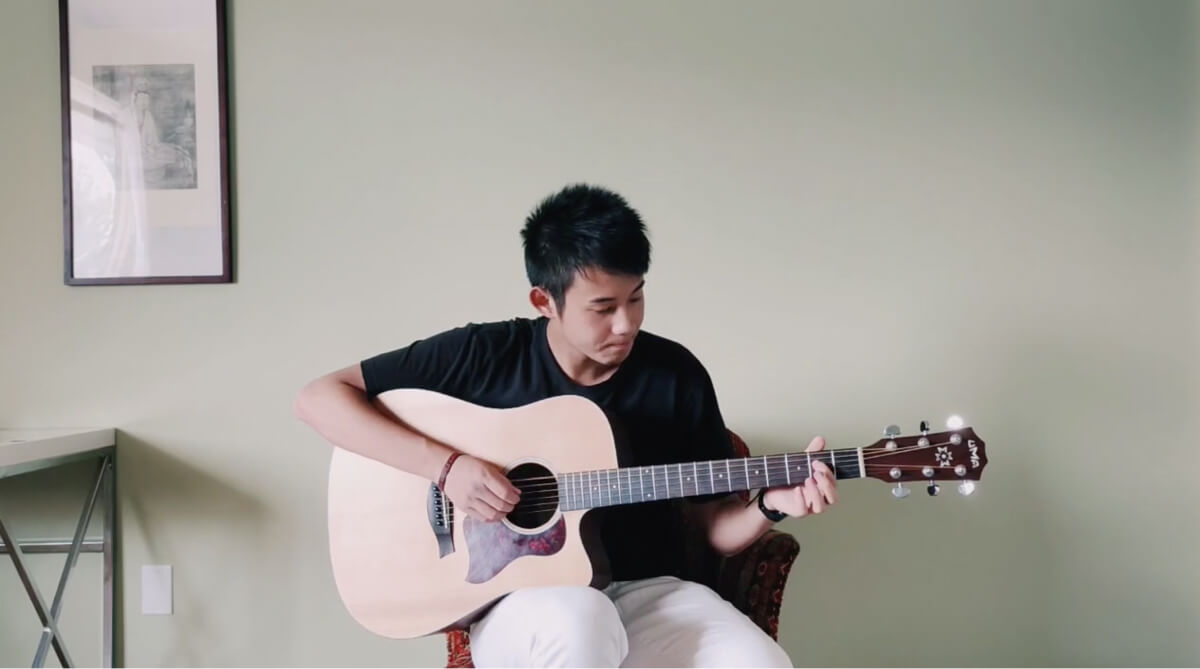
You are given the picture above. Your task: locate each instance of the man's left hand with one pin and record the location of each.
(813, 496)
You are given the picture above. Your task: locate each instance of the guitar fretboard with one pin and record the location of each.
(630, 485)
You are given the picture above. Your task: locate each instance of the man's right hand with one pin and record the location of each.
(480, 489)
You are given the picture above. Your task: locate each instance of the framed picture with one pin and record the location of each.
(145, 145)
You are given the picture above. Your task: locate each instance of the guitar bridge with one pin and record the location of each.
(441, 519)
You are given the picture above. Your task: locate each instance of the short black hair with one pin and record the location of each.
(581, 227)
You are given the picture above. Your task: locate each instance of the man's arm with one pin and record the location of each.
(732, 526)
(337, 407)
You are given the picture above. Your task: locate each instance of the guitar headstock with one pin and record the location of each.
(956, 454)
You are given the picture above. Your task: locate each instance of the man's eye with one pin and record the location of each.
(606, 310)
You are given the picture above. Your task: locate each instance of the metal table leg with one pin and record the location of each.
(110, 574)
(39, 604)
(104, 486)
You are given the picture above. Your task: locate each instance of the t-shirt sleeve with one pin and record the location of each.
(442, 363)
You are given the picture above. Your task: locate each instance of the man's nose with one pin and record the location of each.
(622, 323)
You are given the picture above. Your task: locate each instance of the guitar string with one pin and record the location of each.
(872, 455)
(600, 486)
(553, 491)
(546, 502)
(672, 470)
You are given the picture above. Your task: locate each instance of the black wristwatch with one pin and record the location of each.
(773, 516)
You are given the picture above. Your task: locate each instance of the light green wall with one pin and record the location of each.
(864, 213)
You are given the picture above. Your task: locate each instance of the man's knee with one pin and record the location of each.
(574, 612)
(749, 651)
(547, 627)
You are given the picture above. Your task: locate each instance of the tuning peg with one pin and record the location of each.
(966, 488)
(954, 422)
(924, 427)
(933, 489)
(891, 431)
(900, 492)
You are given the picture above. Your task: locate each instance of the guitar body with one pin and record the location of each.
(394, 576)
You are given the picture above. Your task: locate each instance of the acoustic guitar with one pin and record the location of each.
(406, 566)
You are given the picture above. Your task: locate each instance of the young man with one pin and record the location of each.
(586, 254)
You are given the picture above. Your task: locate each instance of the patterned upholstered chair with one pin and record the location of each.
(752, 580)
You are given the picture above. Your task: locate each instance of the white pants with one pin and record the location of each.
(658, 622)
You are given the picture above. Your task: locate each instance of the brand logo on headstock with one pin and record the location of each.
(943, 456)
(974, 453)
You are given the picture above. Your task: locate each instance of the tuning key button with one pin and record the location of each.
(966, 488)
(900, 492)
(961, 470)
(895, 472)
(891, 431)
(933, 489)
(924, 427)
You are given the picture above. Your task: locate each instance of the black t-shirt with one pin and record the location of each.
(661, 398)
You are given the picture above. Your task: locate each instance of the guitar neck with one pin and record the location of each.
(631, 485)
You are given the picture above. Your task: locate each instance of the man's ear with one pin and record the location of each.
(542, 301)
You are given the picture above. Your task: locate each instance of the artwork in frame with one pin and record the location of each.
(146, 195)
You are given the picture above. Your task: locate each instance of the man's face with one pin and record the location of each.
(601, 315)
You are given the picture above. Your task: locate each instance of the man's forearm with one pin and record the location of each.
(344, 416)
(733, 525)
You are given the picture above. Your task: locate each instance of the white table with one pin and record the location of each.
(23, 451)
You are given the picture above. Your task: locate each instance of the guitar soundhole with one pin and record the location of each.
(539, 495)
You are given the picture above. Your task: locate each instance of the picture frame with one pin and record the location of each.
(146, 186)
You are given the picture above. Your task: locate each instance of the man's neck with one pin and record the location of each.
(578, 367)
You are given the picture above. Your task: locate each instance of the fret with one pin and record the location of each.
(787, 470)
(666, 481)
(712, 484)
(766, 472)
(833, 462)
(746, 471)
(682, 490)
(653, 484)
(808, 474)
(619, 500)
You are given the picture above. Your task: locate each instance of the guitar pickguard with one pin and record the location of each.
(492, 546)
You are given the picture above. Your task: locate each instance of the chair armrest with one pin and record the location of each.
(753, 580)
